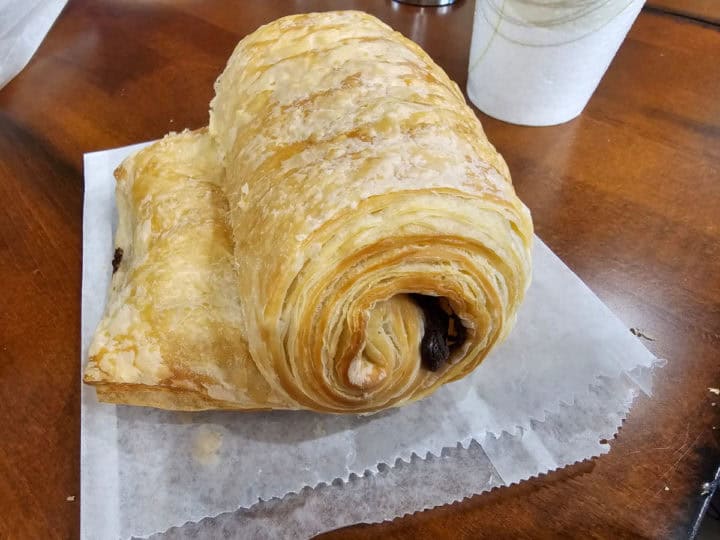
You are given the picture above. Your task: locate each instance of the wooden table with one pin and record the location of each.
(628, 195)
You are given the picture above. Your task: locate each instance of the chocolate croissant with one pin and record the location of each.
(342, 237)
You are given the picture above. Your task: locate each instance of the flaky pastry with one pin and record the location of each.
(341, 238)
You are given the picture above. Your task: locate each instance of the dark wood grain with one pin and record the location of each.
(628, 194)
(701, 10)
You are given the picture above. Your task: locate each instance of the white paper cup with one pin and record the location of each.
(537, 62)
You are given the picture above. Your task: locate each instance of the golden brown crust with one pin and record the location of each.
(162, 398)
(341, 171)
(173, 319)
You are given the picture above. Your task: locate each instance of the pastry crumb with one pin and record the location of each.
(70, 498)
(639, 332)
(715, 391)
(206, 445)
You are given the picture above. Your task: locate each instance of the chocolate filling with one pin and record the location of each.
(444, 332)
(117, 259)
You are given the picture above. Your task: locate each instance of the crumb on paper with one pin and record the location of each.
(715, 391)
(667, 488)
(319, 430)
(713, 404)
(206, 445)
(70, 498)
(639, 332)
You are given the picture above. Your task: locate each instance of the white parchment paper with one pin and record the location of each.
(538, 402)
(425, 483)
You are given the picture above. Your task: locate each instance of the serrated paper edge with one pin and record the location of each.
(404, 461)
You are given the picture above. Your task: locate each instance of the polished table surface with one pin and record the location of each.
(628, 194)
